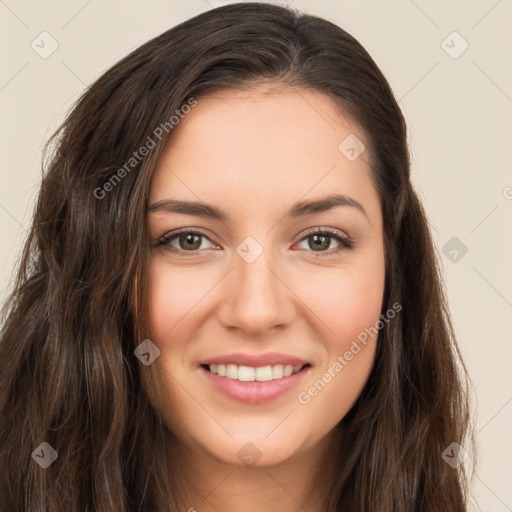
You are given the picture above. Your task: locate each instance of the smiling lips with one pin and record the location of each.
(254, 378)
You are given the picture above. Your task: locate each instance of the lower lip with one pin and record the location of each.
(254, 392)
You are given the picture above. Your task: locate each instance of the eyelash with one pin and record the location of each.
(345, 242)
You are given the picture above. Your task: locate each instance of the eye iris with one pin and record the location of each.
(324, 245)
(188, 238)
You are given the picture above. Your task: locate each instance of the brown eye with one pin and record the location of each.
(189, 241)
(185, 241)
(319, 241)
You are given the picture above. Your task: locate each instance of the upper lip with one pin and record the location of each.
(256, 360)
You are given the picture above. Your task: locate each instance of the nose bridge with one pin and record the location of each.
(255, 299)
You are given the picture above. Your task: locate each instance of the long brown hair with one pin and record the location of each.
(69, 376)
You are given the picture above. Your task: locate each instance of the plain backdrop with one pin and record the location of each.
(449, 66)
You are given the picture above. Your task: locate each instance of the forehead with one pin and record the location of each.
(258, 145)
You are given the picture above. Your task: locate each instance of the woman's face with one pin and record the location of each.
(260, 290)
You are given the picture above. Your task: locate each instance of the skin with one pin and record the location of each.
(253, 154)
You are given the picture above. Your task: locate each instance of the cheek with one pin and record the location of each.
(171, 296)
(346, 300)
(358, 303)
(351, 309)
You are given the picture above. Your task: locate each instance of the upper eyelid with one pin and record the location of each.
(193, 231)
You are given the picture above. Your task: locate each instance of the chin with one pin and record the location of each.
(260, 450)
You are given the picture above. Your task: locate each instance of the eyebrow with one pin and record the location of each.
(299, 209)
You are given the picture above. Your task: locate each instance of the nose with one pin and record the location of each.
(256, 297)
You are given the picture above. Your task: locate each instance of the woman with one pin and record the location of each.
(229, 298)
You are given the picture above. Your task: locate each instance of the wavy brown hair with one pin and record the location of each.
(76, 312)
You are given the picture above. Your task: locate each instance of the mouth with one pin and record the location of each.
(254, 374)
(253, 385)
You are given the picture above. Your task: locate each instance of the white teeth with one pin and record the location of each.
(277, 371)
(245, 373)
(251, 374)
(232, 371)
(263, 373)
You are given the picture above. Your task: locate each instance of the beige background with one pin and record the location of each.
(459, 117)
